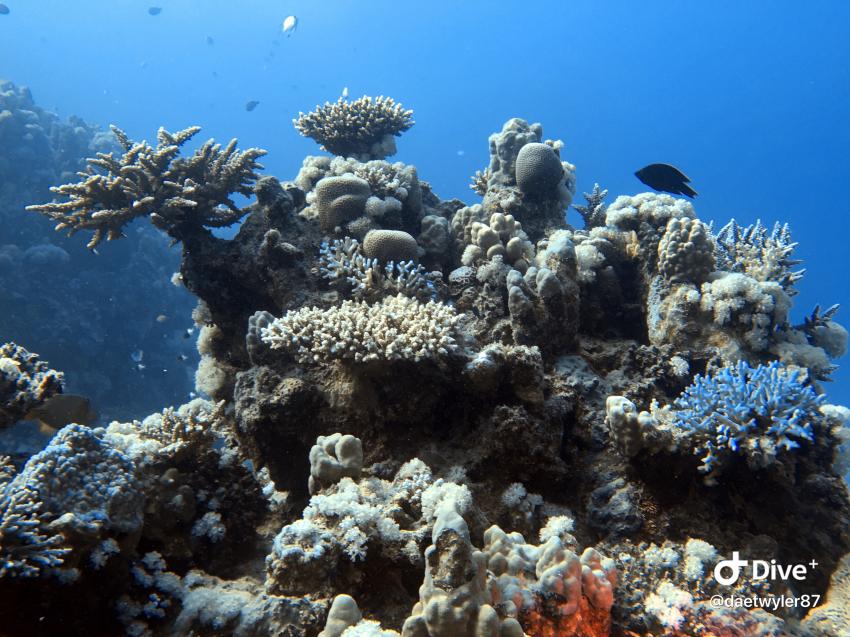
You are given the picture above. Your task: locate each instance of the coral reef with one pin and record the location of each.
(438, 419)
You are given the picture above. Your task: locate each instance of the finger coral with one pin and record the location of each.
(155, 182)
(363, 128)
(397, 328)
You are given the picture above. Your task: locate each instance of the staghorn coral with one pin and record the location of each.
(28, 547)
(758, 412)
(396, 328)
(157, 183)
(25, 383)
(594, 212)
(479, 182)
(764, 255)
(362, 128)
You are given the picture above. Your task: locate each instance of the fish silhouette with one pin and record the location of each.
(251, 105)
(4, 10)
(154, 10)
(666, 178)
(61, 410)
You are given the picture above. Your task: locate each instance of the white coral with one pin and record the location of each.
(397, 328)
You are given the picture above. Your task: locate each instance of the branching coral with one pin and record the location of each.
(594, 212)
(364, 127)
(155, 182)
(25, 382)
(757, 412)
(343, 264)
(27, 546)
(478, 181)
(759, 253)
(66, 495)
(397, 328)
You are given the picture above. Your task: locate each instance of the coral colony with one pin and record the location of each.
(435, 419)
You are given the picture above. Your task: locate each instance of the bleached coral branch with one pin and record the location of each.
(155, 182)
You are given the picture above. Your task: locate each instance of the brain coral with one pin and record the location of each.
(538, 170)
(390, 245)
(340, 199)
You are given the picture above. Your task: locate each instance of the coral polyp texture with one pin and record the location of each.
(396, 328)
(437, 418)
(155, 182)
(363, 128)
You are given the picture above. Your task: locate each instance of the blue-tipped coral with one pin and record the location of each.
(755, 411)
(763, 255)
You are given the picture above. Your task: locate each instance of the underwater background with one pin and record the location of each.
(356, 377)
(750, 100)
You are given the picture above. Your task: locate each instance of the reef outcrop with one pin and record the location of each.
(430, 419)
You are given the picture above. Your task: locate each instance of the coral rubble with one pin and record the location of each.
(430, 419)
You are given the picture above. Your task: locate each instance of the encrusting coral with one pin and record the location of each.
(437, 420)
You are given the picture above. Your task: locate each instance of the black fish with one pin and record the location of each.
(250, 106)
(4, 10)
(154, 10)
(666, 178)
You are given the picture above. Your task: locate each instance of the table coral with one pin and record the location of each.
(364, 127)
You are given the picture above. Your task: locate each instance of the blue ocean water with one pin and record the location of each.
(751, 100)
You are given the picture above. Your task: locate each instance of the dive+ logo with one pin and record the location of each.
(727, 572)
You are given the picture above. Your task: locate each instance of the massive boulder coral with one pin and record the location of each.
(363, 128)
(533, 184)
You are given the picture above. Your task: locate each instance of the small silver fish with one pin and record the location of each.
(345, 92)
